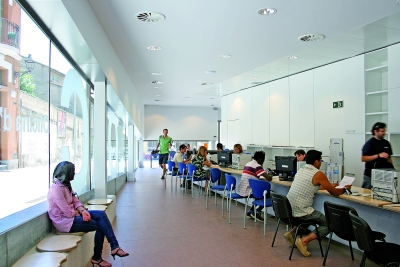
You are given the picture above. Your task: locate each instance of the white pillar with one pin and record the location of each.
(141, 153)
(99, 144)
(131, 151)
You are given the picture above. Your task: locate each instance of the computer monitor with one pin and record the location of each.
(212, 152)
(286, 166)
(224, 158)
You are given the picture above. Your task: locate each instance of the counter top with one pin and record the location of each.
(228, 170)
(367, 200)
(392, 207)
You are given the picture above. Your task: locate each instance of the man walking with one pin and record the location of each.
(165, 143)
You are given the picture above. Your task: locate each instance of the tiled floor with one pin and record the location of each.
(163, 228)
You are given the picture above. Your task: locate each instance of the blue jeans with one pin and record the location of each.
(100, 223)
(367, 182)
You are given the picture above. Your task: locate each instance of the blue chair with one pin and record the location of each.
(170, 171)
(181, 173)
(215, 174)
(190, 177)
(259, 191)
(172, 154)
(230, 187)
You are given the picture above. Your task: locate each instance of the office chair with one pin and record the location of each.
(260, 192)
(382, 253)
(283, 211)
(190, 177)
(170, 171)
(339, 222)
(215, 174)
(230, 187)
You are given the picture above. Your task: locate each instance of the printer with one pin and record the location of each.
(385, 184)
(239, 160)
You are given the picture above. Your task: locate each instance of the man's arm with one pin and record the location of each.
(265, 176)
(376, 156)
(321, 180)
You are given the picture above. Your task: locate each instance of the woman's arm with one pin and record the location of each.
(59, 198)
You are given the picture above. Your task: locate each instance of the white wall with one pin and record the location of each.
(183, 123)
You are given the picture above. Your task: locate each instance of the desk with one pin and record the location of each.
(392, 208)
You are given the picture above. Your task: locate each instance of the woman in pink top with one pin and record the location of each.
(70, 216)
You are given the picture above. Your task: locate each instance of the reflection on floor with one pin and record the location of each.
(160, 228)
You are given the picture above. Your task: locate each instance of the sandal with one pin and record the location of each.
(122, 254)
(101, 263)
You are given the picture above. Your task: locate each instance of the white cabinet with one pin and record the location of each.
(301, 89)
(394, 66)
(353, 165)
(394, 110)
(279, 110)
(260, 114)
(224, 120)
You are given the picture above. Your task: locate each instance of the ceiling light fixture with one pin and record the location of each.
(157, 95)
(228, 56)
(155, 73)
(200, 81)
(311, 37)
(210, 71)
(157, 82)
(255, 78)
(266, 11)
(157, 87)
(154, 48)
(293, 57)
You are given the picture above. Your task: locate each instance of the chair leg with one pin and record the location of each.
(294, 243)
(351, 251)
(362, 263)
(265, 216)
(276, 231)
(230, 203)
(171, 181)
(327, 248)
(215, 196)
(192, 187)
(223, 195)
(245, 210)
(319, 240)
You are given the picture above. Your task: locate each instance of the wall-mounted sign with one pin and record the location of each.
(338, 104)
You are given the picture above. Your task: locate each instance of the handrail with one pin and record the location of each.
(10, 33)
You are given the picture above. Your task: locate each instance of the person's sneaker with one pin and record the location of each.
(162, 177)
(250, 214)
(289, 238)
(302, 248)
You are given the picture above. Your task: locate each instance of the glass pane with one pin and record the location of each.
(24, 114)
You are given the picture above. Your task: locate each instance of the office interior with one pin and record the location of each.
(109, 76)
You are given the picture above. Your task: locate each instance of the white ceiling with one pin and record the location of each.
(194, 33)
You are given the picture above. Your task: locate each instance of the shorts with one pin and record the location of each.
(163, 158)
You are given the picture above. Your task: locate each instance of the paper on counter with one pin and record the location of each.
(347, 180)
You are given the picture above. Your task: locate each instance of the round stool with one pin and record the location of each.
(58, 243)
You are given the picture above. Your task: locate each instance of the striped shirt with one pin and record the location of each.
(251, 170)
(301, 193)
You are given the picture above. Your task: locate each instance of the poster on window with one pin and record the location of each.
(61, 124)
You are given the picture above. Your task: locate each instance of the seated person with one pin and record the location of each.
(200, 160)
(253, 170)
(307, 181)
(237, 149)
(179, 158)
(220, 147)
(70, 216)
(300, 155)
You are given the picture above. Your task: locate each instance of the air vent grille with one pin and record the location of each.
(157, 82)
(311, 37)
(150, 16)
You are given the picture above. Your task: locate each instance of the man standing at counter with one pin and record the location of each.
(307, 181)
(376, 153)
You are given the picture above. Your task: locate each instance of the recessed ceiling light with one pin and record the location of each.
(210, 71)
(158, 100)
(312, 37)
(157, 82)
(255, 78)
(200, 81)
(157, 95)
(157, 87)
(228, 56)
(211, 97)
(155, 73)
(153, 48)
(266, 11)
(187, 97)
(293, 57)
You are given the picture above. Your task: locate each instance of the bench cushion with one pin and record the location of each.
(58, 243)
(96, 207)
(45, 259)
(100, 201)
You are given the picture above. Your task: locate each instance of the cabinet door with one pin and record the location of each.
(260, 116)
(352, 147)
(279, 112)
(394, 66)
(224, 120)
(394, 110)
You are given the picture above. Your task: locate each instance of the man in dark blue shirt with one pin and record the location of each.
(376, 153)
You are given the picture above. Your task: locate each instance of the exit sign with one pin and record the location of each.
(338, 104)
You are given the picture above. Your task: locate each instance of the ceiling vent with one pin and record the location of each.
(157, 82)
(311, 37)
(150, 16)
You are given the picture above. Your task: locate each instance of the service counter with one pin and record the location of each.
(381, 215)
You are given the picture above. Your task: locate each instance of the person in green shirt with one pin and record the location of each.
(165, 143)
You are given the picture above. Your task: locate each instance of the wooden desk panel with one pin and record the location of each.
(367, 200)
(228, 170)
(392, 207)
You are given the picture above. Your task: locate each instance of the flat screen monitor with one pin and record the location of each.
(212, 152)
(224, 157)
(286, 165)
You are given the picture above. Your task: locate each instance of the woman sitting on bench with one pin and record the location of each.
(69, 215)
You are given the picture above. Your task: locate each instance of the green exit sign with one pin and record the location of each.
(338, 104)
